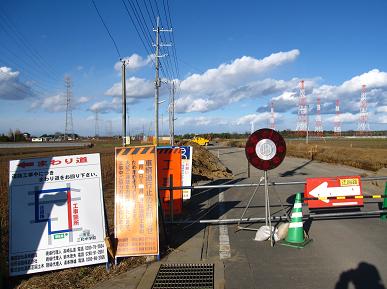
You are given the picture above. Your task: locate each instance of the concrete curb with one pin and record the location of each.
(127, 280)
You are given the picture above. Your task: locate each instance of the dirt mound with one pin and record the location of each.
(206, 166)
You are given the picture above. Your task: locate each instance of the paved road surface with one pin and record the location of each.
(346, 253)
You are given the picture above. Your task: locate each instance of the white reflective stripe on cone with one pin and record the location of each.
(297, 205)
(297, 215)
(295, 225)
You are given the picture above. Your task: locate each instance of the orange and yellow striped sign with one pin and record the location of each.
(136, 206)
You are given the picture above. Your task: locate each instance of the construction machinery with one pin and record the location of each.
(200, 140)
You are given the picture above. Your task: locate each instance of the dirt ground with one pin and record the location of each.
(205, 167)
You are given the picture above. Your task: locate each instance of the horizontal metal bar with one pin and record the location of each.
(347, 197)
(378, 212)
(254, 185)
(276, 218)
(230, 221)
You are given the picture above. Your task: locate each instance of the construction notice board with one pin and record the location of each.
(136, 206)
(333, 192)
(186, 169)
(169, 164)
(56, 214)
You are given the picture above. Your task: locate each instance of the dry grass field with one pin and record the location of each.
(364, 153)
(85, 277)
(82, 277)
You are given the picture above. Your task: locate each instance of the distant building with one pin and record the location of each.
(36, 139)
(27, 136)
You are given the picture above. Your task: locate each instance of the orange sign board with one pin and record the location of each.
(169, 163)
(136, 206)
(325, 189)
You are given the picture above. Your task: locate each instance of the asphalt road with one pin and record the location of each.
(345, 253)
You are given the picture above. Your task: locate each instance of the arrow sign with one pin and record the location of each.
(342, 186)
(323, 191)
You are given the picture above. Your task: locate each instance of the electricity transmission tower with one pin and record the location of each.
(337, 127)
(363, 126)
(96, 131)
(302, 123)
(69, 131)
(157, 78)
(272, 116)
(318, 128)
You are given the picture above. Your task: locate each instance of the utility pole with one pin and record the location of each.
(123, 76)
(172, 115)
(157, 78)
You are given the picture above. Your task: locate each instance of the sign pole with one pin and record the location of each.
(265, 150)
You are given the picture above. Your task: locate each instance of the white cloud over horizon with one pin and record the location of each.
(231, 82)
(135, 88)
(11, 87)
(57, 103)
(134, 62)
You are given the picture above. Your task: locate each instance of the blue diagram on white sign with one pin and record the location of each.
(63, 224)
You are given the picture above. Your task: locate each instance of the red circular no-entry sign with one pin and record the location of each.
(265, 149)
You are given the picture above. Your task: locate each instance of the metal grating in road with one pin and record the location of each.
(185, 276)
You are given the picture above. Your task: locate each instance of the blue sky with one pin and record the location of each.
(233, 58)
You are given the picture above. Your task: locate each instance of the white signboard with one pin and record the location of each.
(56, 214)
(186, 169)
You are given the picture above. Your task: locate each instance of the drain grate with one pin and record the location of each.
(185, 276)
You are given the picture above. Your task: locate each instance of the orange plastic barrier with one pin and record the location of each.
(169, 163)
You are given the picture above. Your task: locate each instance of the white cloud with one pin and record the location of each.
(382, 108)
(56, 103)
(382, 119)
(11, 87)
(135, 88)
(188, 104)
(134, 62)
(255, 118)
(345, 117)
(348, 93)
(227, 75)
(201, 122)
(103, 106)
(254, 89)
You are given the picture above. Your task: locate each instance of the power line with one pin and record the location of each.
(173, 41)
(10, 28)
(135, 26)
(107, 29)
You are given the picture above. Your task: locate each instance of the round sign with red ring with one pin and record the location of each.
(265, 149)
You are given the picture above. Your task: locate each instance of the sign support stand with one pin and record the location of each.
(267, 208)
(265, 150)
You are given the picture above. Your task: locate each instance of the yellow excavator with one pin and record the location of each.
(200, 140)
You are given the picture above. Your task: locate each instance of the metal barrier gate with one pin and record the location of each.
(171, 188)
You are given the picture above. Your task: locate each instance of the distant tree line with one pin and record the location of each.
(285, 133)
(12, 136)
(18, 136)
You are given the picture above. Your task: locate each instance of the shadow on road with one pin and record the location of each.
(293, 172)
(365, 276)
(200, 206)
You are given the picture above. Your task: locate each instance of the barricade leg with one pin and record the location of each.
(383, 216)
